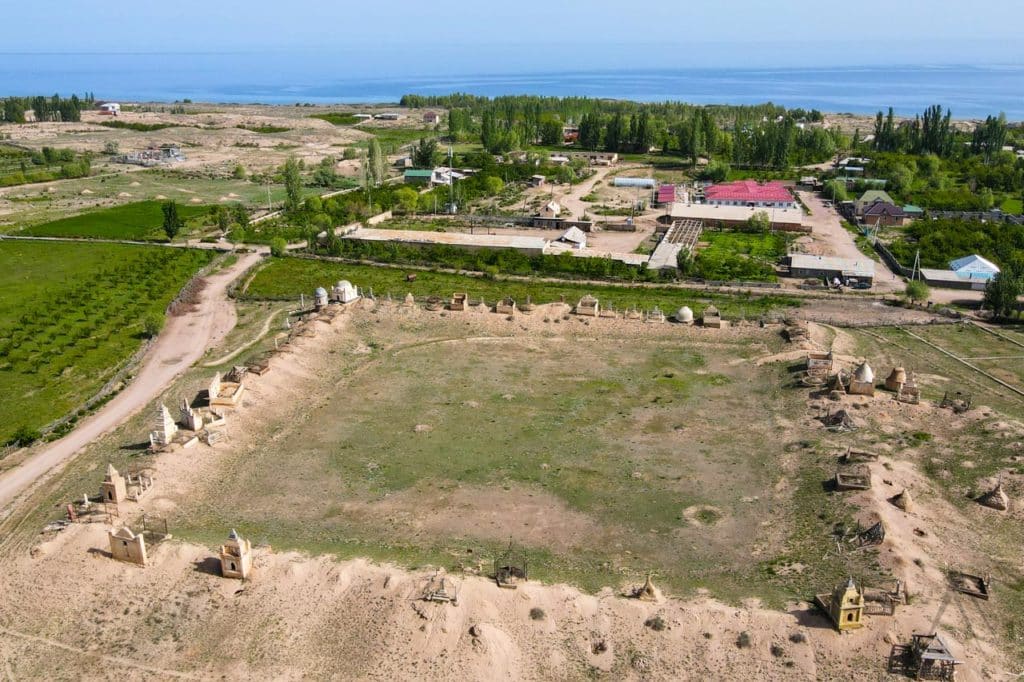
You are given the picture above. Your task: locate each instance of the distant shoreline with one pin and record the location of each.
(971, 92)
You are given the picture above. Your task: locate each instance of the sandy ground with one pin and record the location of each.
(305, 616)
(183, 341)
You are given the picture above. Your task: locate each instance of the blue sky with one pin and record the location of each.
(534, 34)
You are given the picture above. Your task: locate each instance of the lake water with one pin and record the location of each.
(289, 77)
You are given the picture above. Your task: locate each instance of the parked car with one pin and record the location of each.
(861, 285)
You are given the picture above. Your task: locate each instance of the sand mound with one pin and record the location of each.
(125, 195)
(86, 192)
(159, 197)
(135, 183)
(195, 200)
(51, 188)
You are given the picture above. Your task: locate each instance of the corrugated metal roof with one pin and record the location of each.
(749, 190)
(849, 267)
(973, 263)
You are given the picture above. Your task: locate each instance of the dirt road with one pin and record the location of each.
(182, 342)
(573, 200)
(835, 240)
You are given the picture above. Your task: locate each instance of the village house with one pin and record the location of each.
(431, 117)
(883, 214)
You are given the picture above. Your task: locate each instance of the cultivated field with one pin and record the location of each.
(70, 314)
(142, 220)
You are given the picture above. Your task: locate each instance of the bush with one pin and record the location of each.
(743, 641)
(152, 324)
(24, 436)
(537, 613)
(278, 247)
(798, 638)
(917, 291)
(656, 623)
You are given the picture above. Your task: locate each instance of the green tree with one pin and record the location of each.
(292, 185)
(239, 172)
(278, 247)
(152, 323)
(835, 190)
(407, 198)
(240, 215)
(759, 222)
(917, 291)
(172, 221)
(223, 219)
(375, 163)
(493, 185)
(424, 154)
(325, 175)
(1001, 293)
(550, 131)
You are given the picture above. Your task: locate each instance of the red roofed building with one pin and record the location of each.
(666, 194)
(750, 193)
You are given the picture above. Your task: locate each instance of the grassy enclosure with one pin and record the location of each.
(288, 278)
(451, 441)
(738, 256)
(70, 314)
(142, 220)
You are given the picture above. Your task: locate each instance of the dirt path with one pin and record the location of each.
(182, 342)
(263, 332)
(573, 201)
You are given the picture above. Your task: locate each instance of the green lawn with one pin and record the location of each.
(738, 256)
(338, 119)
(70, 314)
(141, 220)
(286, 278)
(1012, 206)
(392, 138)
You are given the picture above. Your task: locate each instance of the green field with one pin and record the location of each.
(391, 139)
(70, 314)
(286, 278)
(338, 119)
(738, 256)
(614, 464)
(141, 220)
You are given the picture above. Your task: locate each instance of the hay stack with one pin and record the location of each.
(995, 499)
(903, 501)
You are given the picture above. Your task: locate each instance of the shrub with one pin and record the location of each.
(743, 641)
(278, 247)
(656, 623)
(798, 638)
(24, 436)
(777, 651)
(152, 323)
(917, 291)
(537, 613)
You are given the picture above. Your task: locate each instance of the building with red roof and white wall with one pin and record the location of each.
(751, 194)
